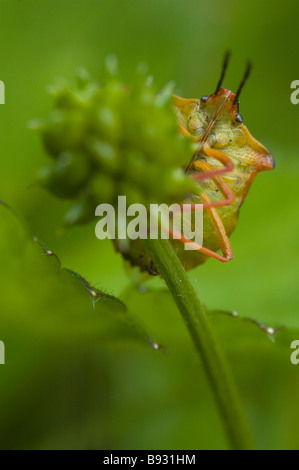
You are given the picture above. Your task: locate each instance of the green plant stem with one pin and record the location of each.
(197, 322)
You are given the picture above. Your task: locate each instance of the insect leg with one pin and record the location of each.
(219, 228)
(220, 157)
(227, 253)
(220, 183)
(226, 250)
(225, 245)
(216, 219)
(186, 133)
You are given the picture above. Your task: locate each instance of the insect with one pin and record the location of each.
(226, 162)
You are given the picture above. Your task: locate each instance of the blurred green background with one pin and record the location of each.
(63, 385)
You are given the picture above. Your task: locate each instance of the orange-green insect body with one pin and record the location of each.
(214, 122)
(226, 162)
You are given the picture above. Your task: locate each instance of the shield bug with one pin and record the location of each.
(226, 162)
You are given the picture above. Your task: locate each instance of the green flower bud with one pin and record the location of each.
(104, 154)
(68, 176)
(109, 139)
(64, 131)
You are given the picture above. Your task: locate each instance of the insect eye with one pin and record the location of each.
(239, 118)
(204, 99)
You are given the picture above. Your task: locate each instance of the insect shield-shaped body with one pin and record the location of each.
(227, 161)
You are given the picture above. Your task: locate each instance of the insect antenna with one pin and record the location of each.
(244, 79)
(224, 67)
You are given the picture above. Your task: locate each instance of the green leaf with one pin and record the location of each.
(38, 294)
